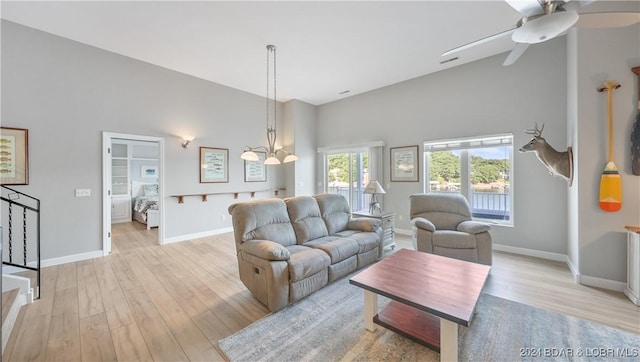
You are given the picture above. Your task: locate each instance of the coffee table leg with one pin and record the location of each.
(370, 309)
(448, 340)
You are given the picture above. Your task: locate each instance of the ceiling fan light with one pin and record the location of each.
(545, 27)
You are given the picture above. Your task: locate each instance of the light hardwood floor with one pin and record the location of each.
(174, 302)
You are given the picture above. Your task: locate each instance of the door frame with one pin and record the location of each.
(107, 138)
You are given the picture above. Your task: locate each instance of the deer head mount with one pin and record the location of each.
(558, 163)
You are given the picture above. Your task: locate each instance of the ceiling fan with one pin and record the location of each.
(542, 20)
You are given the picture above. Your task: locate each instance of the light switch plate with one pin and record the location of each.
(83, 192)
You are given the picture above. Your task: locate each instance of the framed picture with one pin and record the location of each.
(149, 171)
(404, 164)
(14, 156)
(214, 164)
(256, 171)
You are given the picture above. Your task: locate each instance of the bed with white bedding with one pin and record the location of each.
(145, 203)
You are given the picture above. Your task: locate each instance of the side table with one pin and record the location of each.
(388, 220)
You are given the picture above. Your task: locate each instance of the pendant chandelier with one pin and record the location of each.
(272, 151)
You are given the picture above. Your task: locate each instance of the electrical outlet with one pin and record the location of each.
(83, 192)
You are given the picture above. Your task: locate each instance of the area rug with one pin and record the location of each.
(328, 326)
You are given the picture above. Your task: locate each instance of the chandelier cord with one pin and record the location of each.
(271, 131)
(268, 51)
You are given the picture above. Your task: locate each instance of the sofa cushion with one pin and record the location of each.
(265, 249)
(262, 219)
(364, 224)
(338, 249)
(335, 211)
(305, 262)
(366, 241)
(305, 217)
(454, 240)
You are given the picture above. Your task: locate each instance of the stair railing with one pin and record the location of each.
(22, 224)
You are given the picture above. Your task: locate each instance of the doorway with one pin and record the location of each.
(131, 164)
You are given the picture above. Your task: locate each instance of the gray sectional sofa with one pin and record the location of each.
(289, 248)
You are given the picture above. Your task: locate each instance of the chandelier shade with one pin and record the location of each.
(271, 149)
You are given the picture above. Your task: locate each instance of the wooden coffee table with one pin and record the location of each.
(431, 295)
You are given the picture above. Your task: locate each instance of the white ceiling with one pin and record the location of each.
(324, 48)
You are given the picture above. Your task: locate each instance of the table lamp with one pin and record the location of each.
(374, 188)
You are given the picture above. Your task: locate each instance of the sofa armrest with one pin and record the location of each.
(422, 223)
(364, 224)
(265, 249)
(473, 227)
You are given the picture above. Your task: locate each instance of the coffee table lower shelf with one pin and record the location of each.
(412, 323)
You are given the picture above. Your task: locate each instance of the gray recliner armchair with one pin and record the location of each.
(443, 226)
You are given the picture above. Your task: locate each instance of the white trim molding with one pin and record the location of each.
(601, 283)
(176, 239)
(531, 252)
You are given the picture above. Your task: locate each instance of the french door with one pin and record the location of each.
(348, 175)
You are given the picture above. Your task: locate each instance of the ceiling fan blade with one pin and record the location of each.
(574, 5)
(526, 7)
(478, 42)
(607, 20)
(515, 53)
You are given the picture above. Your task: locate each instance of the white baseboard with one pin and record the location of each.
(601, 283)
(55, 261)
(403, 231)
(531, 252)
(71, 258)
(577, 277)
(203, 234)
(574, 271)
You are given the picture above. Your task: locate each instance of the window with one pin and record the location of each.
(479, 168)
(348, 175)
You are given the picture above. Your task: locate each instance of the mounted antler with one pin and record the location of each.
(535, 132)
(558, 163)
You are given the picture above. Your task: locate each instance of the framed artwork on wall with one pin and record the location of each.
(214, 164)
(405, 165)
(256, 171)
(149, 171)
(14, 156)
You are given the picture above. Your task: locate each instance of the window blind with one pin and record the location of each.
(469, 143)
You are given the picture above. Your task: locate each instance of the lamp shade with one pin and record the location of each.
(290, 158)
(374, 188)
(249, 156)
(272, 160)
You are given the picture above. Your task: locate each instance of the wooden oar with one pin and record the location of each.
(610, 182)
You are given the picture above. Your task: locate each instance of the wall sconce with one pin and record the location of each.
(186, 140)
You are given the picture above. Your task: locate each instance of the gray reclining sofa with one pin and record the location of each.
(289, 248)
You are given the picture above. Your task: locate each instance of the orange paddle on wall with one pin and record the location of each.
(610, 182)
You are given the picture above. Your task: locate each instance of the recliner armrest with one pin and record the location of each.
(422, 223)
(473, 227)
(265, 249)
(364, 224)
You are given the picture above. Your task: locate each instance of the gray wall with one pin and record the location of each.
(67, 94)
(481, 98)
(300, 121)
(598, 238)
